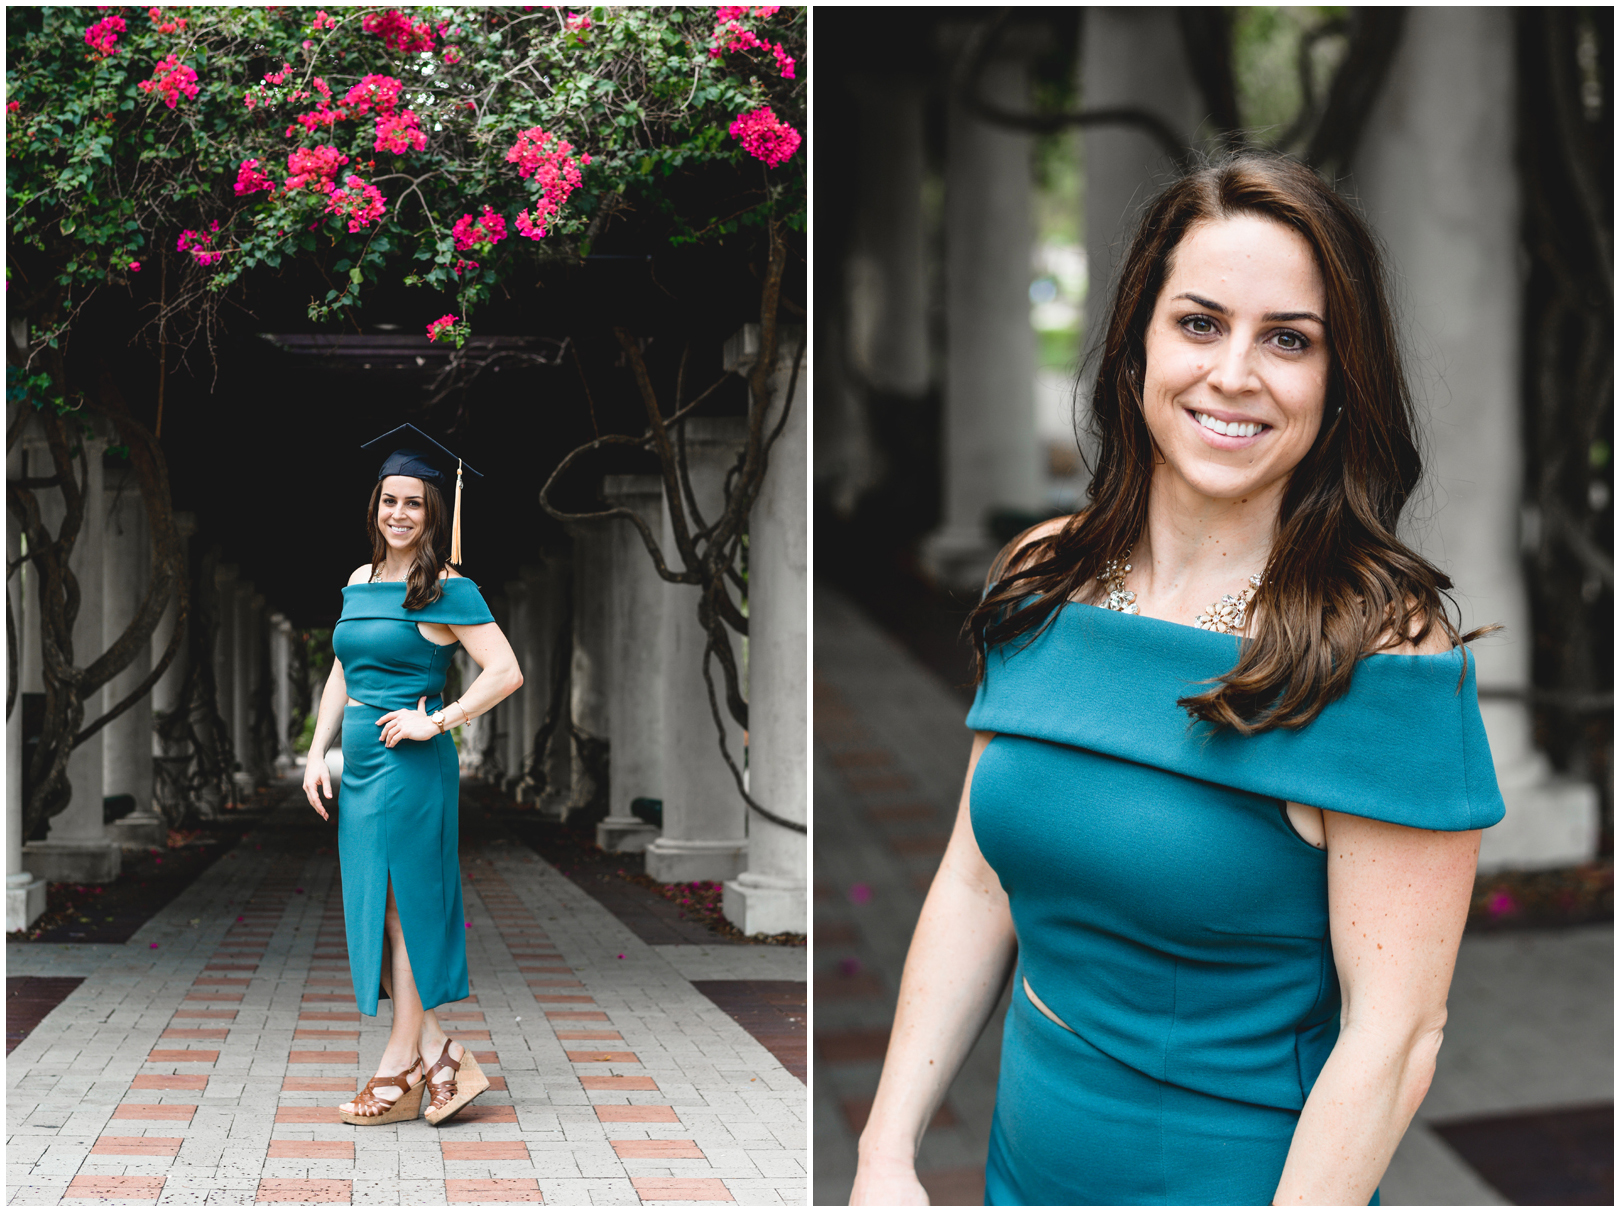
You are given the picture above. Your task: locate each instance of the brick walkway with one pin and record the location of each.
(1529, 1041)
(207, 1070)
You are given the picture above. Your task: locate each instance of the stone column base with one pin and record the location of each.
(25, 901)
(139, 829)
(1551, 823)
(77, 862)
(766, 905)
(673, 861)
(958, 558)
(625, 834)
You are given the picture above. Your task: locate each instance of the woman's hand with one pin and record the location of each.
(891, 1184)
(407, 724)
(316, 776)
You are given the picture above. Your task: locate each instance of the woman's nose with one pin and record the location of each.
(1233, 370)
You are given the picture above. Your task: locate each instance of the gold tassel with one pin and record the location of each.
(455, 522)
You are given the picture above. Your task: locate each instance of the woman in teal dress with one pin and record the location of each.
(1229, 775)
(404, 614)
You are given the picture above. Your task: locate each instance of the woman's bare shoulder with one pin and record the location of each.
(1010, 559)
(450, 573)
(361, 574)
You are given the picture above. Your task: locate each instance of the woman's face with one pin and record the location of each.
(1237, 360)
(401, 512)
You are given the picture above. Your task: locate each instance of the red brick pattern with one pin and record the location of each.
(116, 1188)
(670, 1188)
(487, 1192)
(305, 1192)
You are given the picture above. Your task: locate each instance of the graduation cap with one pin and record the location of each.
(413, 453)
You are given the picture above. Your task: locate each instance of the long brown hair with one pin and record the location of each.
(1339, 584)
(432, 546)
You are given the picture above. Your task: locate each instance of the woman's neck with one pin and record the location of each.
(394, 570)
(1195, 548)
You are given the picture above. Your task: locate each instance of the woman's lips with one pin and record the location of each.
(1224, 434)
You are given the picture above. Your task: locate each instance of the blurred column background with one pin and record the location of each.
(999, 165)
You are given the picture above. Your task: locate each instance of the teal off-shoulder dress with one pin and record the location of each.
(1167, 911)
(397, 809)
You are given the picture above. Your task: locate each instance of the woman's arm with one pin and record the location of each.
(327, 718)
(1397, 901)
(499, 679)
(961, 954)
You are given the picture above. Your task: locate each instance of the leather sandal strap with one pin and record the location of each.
(369, 1097)
(442, 1093)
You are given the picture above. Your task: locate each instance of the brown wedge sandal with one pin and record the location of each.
(377, 1111)
(455, 1093)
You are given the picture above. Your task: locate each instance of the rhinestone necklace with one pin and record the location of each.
(1223, 617)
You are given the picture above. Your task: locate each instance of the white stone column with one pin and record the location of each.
(245, 657)
(1436, 174)
(546, 647)
(590, 666)
(127, 751)
(769, 897)
(635, 600)
(703, 833)
(519, 731)
(76, 847)
(227, 591)
(499, 719)
(169, 760)
(474, 734)
(281, 644)
(1130, 58)
(991, 455)
(887, 268)
(25, 893)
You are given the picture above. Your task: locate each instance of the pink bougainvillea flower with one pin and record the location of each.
(545, 158)
(577, 23)
(323, 22)
(171, 78)
(452, 56)
(487, 229)
(199, 245)
(165, 27)
(103, 34)
(134, 266)
(437, 329)
(276, 78)
(361, 203)
(13, 107)
(321, 87)
(462, 266)
(249, 179)
(374, 92)
(730, 34)
(399, 133)
(316, 168)
(397, 32)
(765, 136)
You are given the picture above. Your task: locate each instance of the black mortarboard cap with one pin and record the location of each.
(413, 453)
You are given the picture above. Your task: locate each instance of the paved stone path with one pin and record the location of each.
(1531, 1013)
(202, 1063)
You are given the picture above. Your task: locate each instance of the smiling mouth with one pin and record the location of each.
(1235, 430)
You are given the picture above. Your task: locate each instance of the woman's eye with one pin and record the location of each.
(1200, 325)
(1292, 340)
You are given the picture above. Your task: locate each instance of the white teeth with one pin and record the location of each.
(1227, 429)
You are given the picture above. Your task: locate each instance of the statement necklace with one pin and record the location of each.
(1223, 617)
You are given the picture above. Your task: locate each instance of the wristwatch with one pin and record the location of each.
(437, 718)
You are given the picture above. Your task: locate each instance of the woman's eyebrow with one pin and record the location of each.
(1301, 315)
